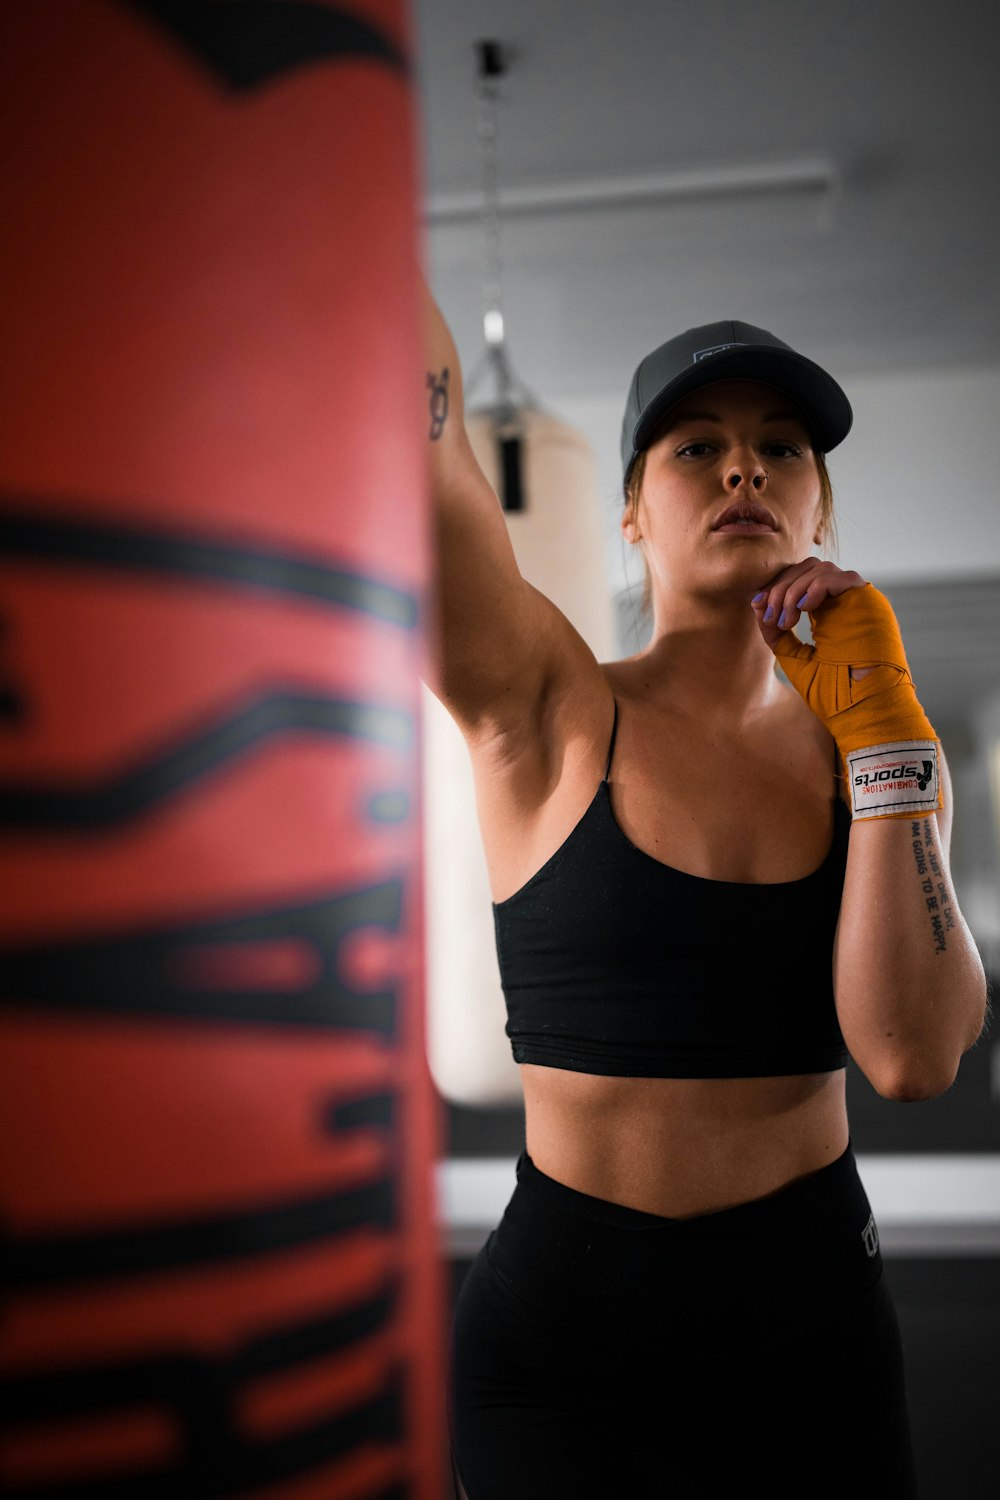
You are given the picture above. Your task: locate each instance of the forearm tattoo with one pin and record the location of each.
(438, 387)
(937, 896)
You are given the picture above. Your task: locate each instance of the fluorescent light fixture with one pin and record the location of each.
(803, 175)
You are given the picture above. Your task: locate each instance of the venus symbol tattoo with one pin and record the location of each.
(438, 387)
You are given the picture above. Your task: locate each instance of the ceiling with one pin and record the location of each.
(894, 267)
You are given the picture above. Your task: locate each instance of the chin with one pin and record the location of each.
(757, 561)
(773, 555)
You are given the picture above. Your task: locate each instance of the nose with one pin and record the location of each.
(750, 472)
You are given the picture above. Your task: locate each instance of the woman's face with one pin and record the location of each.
(734, 443)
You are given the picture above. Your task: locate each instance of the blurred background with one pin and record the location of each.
(829, 173)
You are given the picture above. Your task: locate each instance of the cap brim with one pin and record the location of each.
(824, 406)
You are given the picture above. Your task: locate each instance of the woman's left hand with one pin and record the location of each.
(889, 747)
(802, 587)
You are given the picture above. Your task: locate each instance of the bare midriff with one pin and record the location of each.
(679, 1147)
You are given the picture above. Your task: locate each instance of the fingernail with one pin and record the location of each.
(781, 620)
(802, 601)
(769, 611)
(758, 597)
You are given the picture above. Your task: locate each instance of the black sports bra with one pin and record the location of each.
(614, 963)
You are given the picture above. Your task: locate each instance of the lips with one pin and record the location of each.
(746, 511)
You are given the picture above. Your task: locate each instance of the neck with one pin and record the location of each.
(707, 657)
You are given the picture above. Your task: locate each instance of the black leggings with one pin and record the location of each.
(599, 1351)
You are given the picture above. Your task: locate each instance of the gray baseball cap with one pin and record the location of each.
(730, 350)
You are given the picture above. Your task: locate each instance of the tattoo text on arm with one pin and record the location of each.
(937, 896)
(438, 387)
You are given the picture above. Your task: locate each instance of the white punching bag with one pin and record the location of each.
(557, 539)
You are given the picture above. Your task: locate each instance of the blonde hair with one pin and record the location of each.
(633, 493)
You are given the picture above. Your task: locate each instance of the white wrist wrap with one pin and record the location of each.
(897, 778)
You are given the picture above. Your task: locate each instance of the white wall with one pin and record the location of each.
(980, 894)
(916, 482)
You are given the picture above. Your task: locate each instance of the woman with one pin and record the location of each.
(685, 1290)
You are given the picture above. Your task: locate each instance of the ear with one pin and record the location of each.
(629, 526)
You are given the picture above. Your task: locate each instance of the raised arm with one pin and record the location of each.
(497, 643)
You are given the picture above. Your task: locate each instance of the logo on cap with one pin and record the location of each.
(716, 349)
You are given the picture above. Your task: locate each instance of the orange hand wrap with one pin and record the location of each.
(890, 751)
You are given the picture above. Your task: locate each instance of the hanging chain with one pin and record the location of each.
(490, 70)
(489, 212)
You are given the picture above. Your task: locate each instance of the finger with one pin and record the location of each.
(772, 632)
(807, 594)
(778, 601)
(785, 579)
(769, 630)
(809, 591)
(781, 640)
(844, 580)
(818, 591)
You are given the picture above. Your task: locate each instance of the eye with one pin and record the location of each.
(689, 447)
(784, 450)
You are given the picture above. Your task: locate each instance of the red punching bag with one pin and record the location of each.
(217, 1126)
